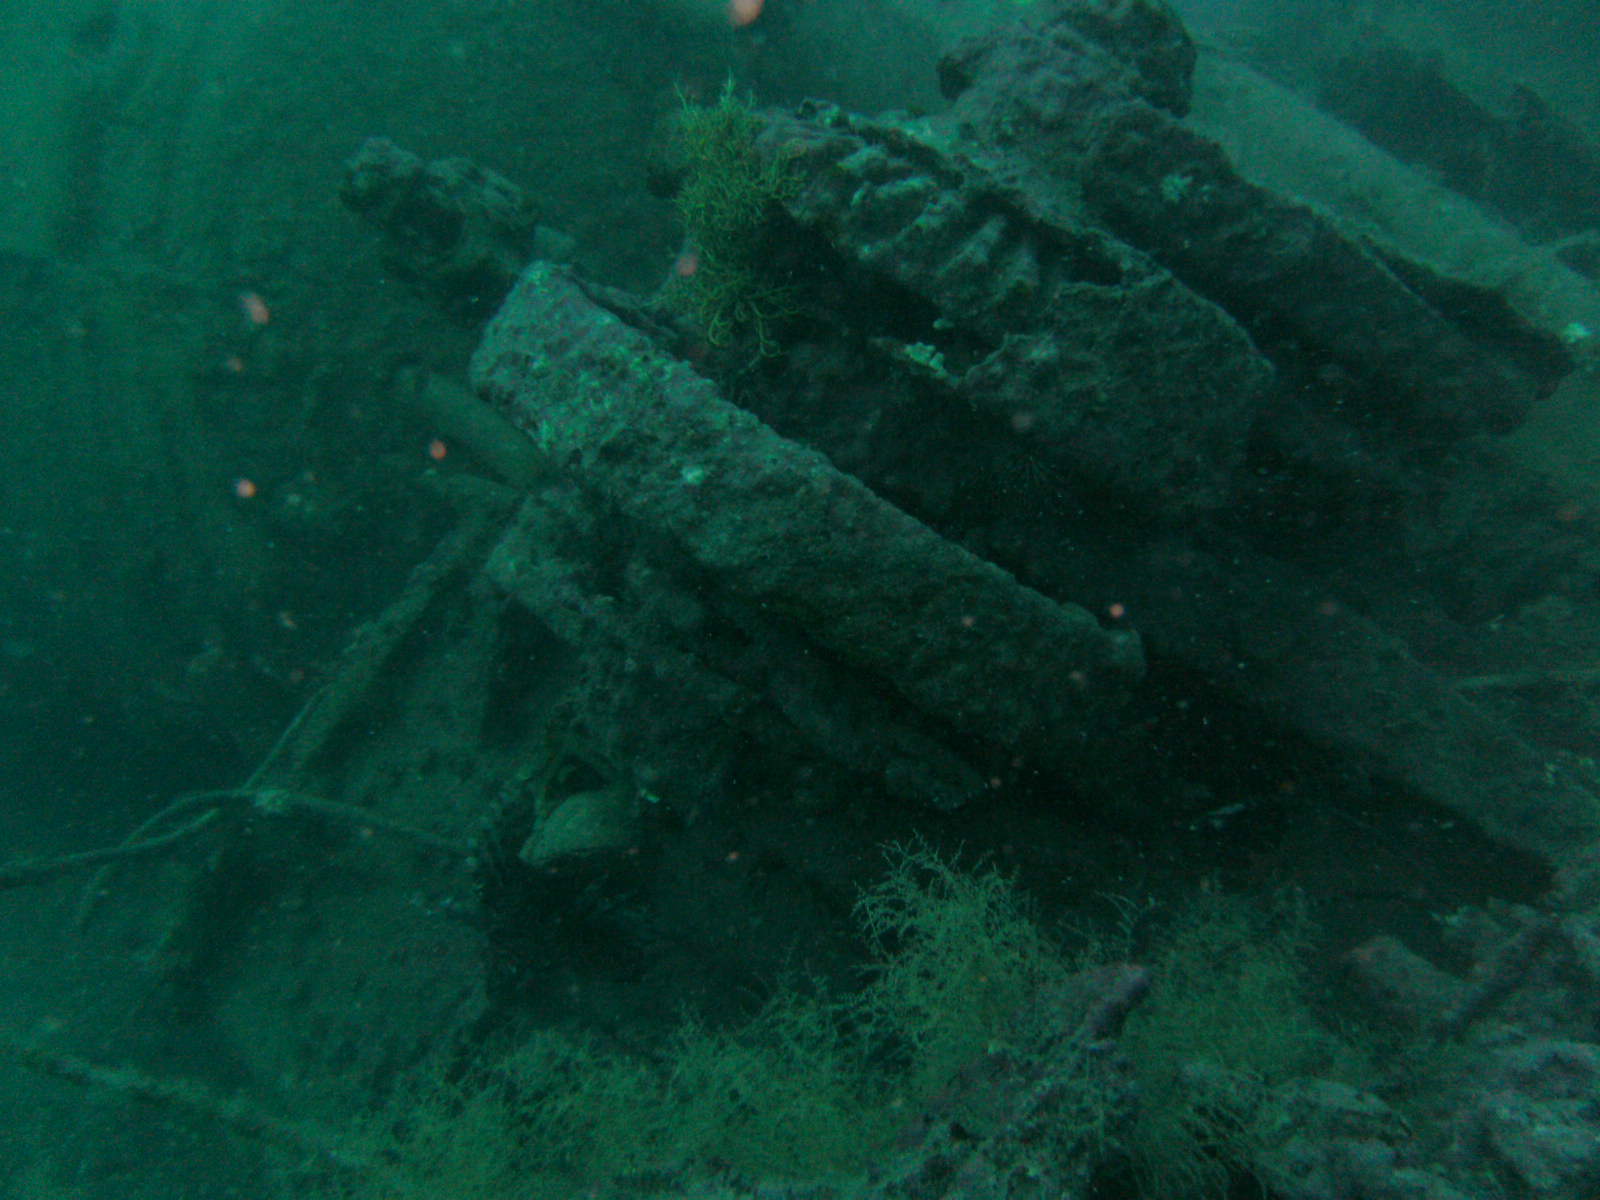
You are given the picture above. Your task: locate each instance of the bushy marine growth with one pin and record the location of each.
(728, 200)
(816, 1086)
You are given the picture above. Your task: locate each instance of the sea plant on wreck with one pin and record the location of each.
(728, 198)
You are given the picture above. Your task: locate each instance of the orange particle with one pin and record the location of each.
(233, 364)
(1116, 610)
(687, 264)
(244, 488)
(743, 12)
(437, 449)
(255, 308)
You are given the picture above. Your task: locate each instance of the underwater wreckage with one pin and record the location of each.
(1061, 474)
